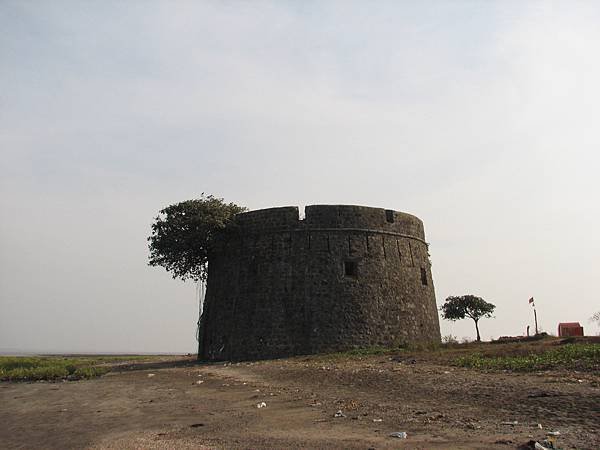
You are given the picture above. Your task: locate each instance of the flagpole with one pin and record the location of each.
(532, 303)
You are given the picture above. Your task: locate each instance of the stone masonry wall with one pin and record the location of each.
(344, 277)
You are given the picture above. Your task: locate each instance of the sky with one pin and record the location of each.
(479, 117)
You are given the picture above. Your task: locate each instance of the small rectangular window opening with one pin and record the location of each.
(389, 215)
(423, 276)
(351, 269)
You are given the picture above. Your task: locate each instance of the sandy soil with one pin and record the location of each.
(177, 404)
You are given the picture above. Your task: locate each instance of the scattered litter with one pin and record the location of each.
(150, 375)
(546, 444)
(261, 405)
(399, 434)
(339, 414)
(553, 433)
(516, 422)
(550, 442)
(256, 390)
(540, 426)
(580, 381)
(446, 372)
(377, 420)
(539, 446)
(199, 381)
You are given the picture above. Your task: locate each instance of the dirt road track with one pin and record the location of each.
(181, 405)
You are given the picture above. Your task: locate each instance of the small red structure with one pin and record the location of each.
(570, 329)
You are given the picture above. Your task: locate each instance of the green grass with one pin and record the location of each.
(366, 351)
(13, 368)
(48, 368)
(378, 350)
(573, 356)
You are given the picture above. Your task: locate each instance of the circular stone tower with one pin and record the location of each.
(341, 278)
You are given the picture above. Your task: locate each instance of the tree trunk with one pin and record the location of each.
(477, 328)
(201, 312)
(199, 334)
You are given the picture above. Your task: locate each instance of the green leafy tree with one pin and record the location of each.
(183, 235)
(456, 308)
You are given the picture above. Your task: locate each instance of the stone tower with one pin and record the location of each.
(343, 277)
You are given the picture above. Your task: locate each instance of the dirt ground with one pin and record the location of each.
(175, 403)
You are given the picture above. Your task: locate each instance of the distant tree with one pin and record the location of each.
(596, 318)
(183, 235)
(456, 308)
(449, 339)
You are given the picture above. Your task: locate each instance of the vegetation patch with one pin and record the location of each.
(366, 351)
(14, 368)
(569, 356)
(48, 368)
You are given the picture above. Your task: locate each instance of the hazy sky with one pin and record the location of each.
(482, 118)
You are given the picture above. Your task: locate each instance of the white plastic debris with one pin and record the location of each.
(150, 375)
(399, 434)
(553, 433)
(540, 426)
(377, 420)
(261, 405)
(339, 414)
(516, 422)
(199, 381)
